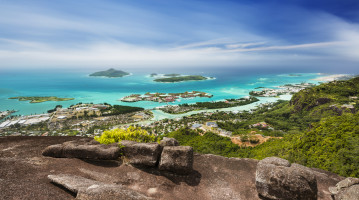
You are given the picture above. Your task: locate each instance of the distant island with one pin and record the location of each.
(172, 75)
(294, 75)
(111, 73)
(181, 78)
(41, 99)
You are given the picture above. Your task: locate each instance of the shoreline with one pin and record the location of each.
(160, 115)
(329, 78)
(219, 92)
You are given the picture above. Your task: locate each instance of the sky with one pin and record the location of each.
(321, 34)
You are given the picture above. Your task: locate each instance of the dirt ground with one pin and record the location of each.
(24, 171)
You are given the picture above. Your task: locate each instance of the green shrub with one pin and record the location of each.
(253, 140)
(244, 138)
(131, 133)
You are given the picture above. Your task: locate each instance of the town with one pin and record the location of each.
(92, 119)
(281, 90)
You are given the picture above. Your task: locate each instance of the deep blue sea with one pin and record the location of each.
(228, 83)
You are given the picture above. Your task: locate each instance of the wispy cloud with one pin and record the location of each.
(176, 33)
(287, 47)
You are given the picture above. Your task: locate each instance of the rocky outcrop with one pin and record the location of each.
(177, 159)
(141, 154)
(23, 175)
(83, 149)
(347, 189)
(87, 189)
(276, 178)
(169, 142)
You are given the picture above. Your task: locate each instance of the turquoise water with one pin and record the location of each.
(228, 83)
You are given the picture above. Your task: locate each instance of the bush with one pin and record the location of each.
(244, 138)
(131, 133)
(253, 140)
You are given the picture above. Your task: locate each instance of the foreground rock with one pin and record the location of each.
(141, 154)
(83, 149)
(276, 178)
(87, 189)
(177, 159)
(24, 171)
(71, 182)
(347, 189)
(169, 142)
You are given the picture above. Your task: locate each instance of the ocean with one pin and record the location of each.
(228, 83)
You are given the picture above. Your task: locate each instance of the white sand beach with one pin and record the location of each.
(330, 77)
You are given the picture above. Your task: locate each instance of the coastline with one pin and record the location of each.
(159, 114)
(329, 78)
(109, 90)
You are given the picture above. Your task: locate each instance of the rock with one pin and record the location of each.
(323, 100)
(99, 152)
(169, 142)
(276, 178)
(71, 182)
(276, 161)
(351, 193)
(141, 154)
(83, 149)
(109, 192)
(347, 189)
(53, 151)
(177, 159)
(125, 143)
(87, 189)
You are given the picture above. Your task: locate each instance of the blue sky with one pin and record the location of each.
(178, 33)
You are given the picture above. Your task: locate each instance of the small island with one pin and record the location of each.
(163, 97)
(172, 75)
(111, 73)
(41, 99)
(173, 79)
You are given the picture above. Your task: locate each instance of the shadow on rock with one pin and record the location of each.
(191, 179)
(64, 188)
(103, 163)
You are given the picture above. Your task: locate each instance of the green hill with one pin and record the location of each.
(319, 125)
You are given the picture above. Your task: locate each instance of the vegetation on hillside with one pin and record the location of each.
(332, 144)
(119, 109)
(222, 104)
(208, 143)
(320, 128)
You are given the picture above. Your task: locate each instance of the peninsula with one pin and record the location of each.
(184, 108)
(41, 99)
(111, 73)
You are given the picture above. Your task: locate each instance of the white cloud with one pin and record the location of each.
(117, 53)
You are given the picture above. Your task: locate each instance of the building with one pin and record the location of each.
(212, 124)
